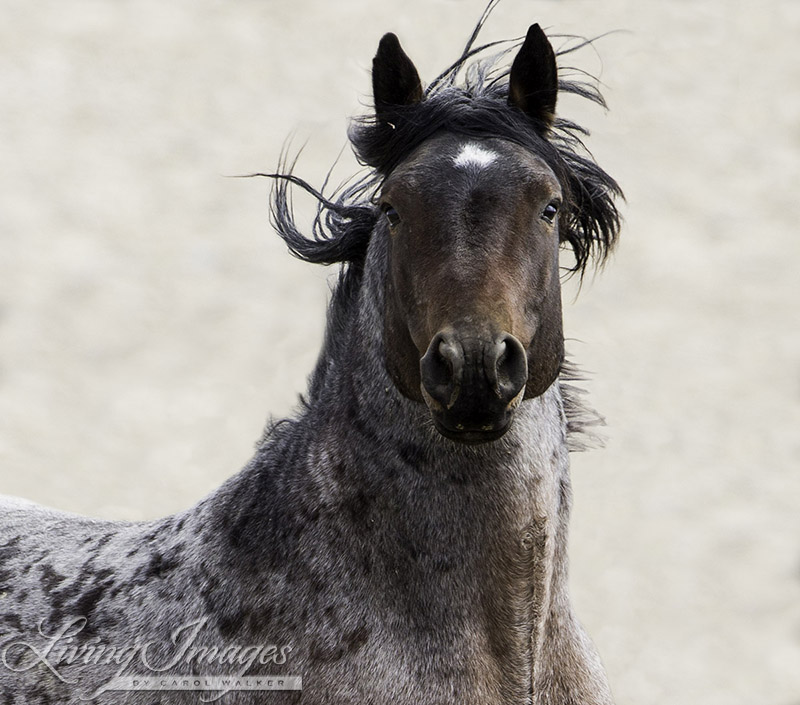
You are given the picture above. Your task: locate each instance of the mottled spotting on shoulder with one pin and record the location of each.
(10, 549)
(329, 651)
(356, 639)
(161, 564)
(258, 621)
(80, 597)
(86, 602)
(51, 579)
(105, 538)
(151, 536)
(10, 620)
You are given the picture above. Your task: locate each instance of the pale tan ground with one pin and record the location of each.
(150, 320)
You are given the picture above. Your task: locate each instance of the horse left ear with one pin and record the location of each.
(395, 81)
(533, 85)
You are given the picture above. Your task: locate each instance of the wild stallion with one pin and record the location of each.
(403, 538)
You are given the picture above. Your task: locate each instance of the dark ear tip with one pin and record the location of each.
(389, 43)
(537, 37)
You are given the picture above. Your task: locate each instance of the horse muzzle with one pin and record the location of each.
(473, 384)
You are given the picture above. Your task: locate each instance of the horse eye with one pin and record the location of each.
(391, 215)
(549, 213)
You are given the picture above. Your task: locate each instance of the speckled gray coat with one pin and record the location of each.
(397, 566)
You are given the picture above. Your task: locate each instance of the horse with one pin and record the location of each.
(403, 537)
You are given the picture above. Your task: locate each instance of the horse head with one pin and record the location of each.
(473, 320)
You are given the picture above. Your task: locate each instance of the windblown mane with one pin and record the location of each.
(475, 106)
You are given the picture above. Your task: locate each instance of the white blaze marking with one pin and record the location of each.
(473, 155)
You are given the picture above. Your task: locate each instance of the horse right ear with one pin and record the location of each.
(533, 83)
(395, 81)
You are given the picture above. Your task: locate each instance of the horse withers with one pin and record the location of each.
(402, 538)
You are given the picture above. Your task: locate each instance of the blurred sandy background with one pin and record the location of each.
(150, 320)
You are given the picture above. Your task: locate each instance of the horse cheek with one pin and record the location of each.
(400, 354)
(546, 350)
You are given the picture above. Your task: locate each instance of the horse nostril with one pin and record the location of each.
(442, 369)
(506, 366)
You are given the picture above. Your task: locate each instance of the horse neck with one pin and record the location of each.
(460, 536)
(459, 539)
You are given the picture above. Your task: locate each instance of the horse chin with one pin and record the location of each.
(461, 433)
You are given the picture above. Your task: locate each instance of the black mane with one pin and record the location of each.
(476, 106)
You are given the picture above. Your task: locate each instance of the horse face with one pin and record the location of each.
(473, 304)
